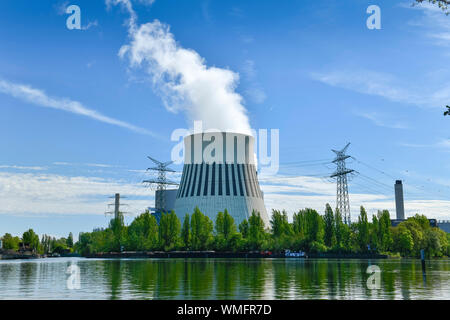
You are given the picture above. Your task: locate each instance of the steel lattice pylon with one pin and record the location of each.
(161, 182)
(342, 199)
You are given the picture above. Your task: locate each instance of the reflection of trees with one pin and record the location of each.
(169, 273)
(255, 278)
(281, 278)
(252, 276)
(27, 274)
(113, 274)
(200, 278)
(226, 277)
(142, 275)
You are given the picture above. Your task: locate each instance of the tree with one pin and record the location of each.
(282, 231)
(118, 232)
(31, 239)
(229, 227)
(443, 4)
(10, 242)
(330, 227)
(201, 230)
(186, 232)
(70, 240)
(404, 241)
(384, 230)
(363, 230)
(447, 113)
(256, 233)
(280, 225)
(243, 228)
(143, 233)
(219, 224)
(169, 231)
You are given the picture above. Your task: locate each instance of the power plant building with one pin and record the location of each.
(219, 173)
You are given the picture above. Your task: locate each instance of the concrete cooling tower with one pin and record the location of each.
(219, 173)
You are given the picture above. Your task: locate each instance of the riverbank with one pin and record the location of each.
(13, 255)
(233, 255)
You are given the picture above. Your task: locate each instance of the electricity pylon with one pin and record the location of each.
(116, 205)
(342, 199)
(161, 182)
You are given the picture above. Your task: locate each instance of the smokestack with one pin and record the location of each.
(399, 207)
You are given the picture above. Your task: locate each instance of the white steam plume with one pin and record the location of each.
(182, 77)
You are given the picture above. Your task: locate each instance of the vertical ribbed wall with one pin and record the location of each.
(215, 186)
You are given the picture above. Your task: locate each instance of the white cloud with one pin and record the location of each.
(40, 98)
(182, 77)
(42, 194)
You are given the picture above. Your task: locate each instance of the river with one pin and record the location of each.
(222, 279)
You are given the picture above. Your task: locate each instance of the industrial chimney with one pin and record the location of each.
(219, 173)
(399, 207)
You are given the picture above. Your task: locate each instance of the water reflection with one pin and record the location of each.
(224, 279)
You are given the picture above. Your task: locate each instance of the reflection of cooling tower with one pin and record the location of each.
(219, 173)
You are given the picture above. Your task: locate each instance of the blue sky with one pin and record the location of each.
(78, 120)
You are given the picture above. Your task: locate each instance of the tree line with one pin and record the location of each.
(309, 231)
(30, 242)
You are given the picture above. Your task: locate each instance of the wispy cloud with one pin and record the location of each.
(40, 98)
(255, 93)
(387, 86)
(433, 24)
(22, 167)
(90, 25)
(441, 144)
(381, 120)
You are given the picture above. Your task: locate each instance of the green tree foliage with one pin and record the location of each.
(243, 228)
(143, 233)
(282, 231)
(339, 229)
(169, 231)
(256, 233)
(31, 239)
(225, 231)
(330, 227)
(10, 242)
(118, 230)
(70, 240)
(363, 230)
(308, 231)
(403, 240)
(186, 232)
(384, 231)
(201, 230)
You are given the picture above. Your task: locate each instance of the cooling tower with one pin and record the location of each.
(219, 173)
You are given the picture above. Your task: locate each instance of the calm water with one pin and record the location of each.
(222, 279)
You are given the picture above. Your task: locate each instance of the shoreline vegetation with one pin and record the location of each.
(319, 236)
